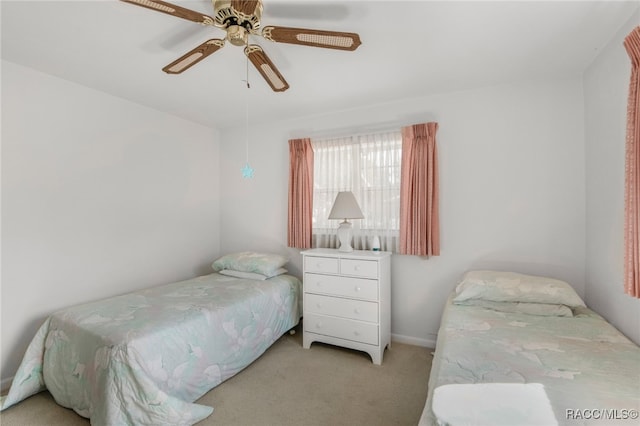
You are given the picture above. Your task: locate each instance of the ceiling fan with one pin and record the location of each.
(239, 19)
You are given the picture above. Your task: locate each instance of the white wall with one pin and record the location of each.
(512, 173)
(606, 87)
(100, 196)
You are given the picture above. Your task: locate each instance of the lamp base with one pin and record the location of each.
(344, 235)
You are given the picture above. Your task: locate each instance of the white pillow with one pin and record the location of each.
(259, 263)
(500, 286)
(250, 275)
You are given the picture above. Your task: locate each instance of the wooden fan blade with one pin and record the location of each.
(317, 38)
(172, 9)
(194, 56)
(265, 67)
(248, 7)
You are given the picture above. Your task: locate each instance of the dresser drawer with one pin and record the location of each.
(359, 268)
(342, 328)
(357, 288)
(338, 307)
(325, 265)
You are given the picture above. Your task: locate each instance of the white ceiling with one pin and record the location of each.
(409, 49)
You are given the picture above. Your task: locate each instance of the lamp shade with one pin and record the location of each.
(345, 207)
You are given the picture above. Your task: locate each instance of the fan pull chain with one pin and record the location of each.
(247, 67)
(246, 122)
(247, 170)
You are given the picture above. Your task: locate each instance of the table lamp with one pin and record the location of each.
(345, 207)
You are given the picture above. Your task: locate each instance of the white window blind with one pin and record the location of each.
(369, 166)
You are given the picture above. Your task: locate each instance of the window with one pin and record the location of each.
(369, 166)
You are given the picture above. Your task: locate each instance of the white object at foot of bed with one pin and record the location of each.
(492, 404)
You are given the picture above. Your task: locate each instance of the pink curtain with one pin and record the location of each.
(419, 218)
(300, 193)
(632, 172)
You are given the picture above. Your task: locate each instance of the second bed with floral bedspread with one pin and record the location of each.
(504, 328)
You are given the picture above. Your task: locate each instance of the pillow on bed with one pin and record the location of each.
(540, 309)
(250, 275)
(497, 286)
(259, 263)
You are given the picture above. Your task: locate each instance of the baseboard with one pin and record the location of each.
(5, 384)
(427, 343)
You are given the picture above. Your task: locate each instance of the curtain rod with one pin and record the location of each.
(355, 131)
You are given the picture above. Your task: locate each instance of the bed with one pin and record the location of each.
(513, 346)
(143, 358)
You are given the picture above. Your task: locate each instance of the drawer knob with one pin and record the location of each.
(319, 284)
(356, 311)
(318, 325)
(357, 289)
(356, 333)
(356, 268)
(319, 305)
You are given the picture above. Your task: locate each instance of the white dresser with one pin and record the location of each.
(347, 300)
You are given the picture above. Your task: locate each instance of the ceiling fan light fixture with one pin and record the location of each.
(240, 19)
(237, 35)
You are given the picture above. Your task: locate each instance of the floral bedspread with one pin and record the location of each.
(589, 370)
(144, 357)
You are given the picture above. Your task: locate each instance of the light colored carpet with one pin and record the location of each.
(289, 385)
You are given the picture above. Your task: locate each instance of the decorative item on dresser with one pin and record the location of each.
(347, 300)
